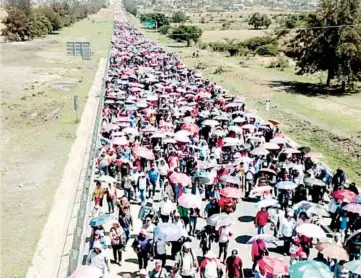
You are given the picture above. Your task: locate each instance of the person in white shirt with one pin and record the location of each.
(163, 169)
(166, 208)
(186, 262)
(288, 225)
(224, 235)
(178, 221)
(160, 250)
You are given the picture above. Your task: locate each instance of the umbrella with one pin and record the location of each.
(236, 129)
(290, 151)
(266, 203)
(248, 126)
(106, 179)
(109, 127)
(288, 185)
(229, 141)
(270, 146)
(260, 190)
(353, 235)
(273, 265)
(259, 151)
(231, 179)
(304, 150)
(310, 269)
(180, 178)
(192, 128)
(317, 182)
(101, 220)
(268, 170)
(239, 120)
(231, 192)
(317, 210)
(266, 238)
(210, 123)
(219, 220)
(130, 130)
(354, 208)
(311, 230)
(274, 122)
(314, 155)
(169, 141)
(279, 140)
(184, 133)
(190, 201)
(87, 271)
(120, 141)
(345, 195)
(181, 138)
(169, 232)
(152, 98)
(144, 152)
(332, 251)
(354, 266)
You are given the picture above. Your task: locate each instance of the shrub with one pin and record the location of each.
(218, 46)
(179, 17)
(130, 7)
(226, 25)
(254, 43)
(219, 70)
(164, 30)
(203, 45)
(267, 50)
(54, 18)
(41, 25)
(18, 27)
(187, 33)
(160, 18)
(281, 62)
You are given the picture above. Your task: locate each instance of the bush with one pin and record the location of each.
(267, 50)
(18, 27)
(226, 25)
(187, 33)
(218, 46)
(203, 45)
(254, 43)
(41, 25)
(219, 70)
(54, 18)
(160, 18)
(130, 7)
(179, 17)
(164, 30)
(281, 62)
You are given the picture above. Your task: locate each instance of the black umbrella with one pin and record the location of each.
(304, 150)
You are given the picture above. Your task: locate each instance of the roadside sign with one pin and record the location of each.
(79, 49)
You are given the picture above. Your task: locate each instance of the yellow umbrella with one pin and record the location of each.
(332, 251)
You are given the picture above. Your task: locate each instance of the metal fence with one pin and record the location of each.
(76, 252)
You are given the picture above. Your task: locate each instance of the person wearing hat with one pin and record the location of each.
(234, 265)
(98, 259)
(158, 271)
(186, 262)
(141, 247)
(210, 266)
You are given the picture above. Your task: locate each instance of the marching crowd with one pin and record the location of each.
(168, 131)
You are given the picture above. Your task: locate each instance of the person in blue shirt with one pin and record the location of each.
(153, 176)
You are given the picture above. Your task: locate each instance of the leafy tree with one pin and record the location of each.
(327, 47)
(160, 18)
(179, 17)
(267, 50)
(254, 43)
(130, 7)
(18, 27)
(54, 18)
(226, 25)
(187, 33)
(258, 20)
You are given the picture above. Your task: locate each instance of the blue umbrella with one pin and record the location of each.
(310, 269)
(101, 220)
(288, 185)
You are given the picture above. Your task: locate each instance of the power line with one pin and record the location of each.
(278, 29)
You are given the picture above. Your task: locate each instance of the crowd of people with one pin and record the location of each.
(166, 131)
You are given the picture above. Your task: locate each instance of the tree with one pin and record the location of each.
(179, 17)
(164, 30)
(54, 18)
(328, 47)
(130, 7)
(255, 20)
(187, 33)
(18, 27)
(41, 25)
(160, 18)
(266, 21)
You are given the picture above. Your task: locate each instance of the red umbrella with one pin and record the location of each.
(180, 178)
(345, 195)
(192, 128)
(231, 192)
(273, 265)
(274, 122)
(144, 152)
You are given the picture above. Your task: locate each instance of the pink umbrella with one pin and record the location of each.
(314, 155)
(87, 271)
(192, 128)
(120, 141)
(144, 152)
(354, 208)
(345, 195)
(190, 201)
(180, 178)
(273, 265)
(248, 126)
(231, 192)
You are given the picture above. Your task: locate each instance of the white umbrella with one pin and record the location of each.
(130, 130)
(190, 201)
(290, 151)
(288, 185)
(266, 238)
(109, 127)
(311, 230)
(239, 120)
(169, 232)
(229, 141)
(266, 203)
(183, 132)
(270, 146)
(236, 129)
(354, 266)
(120, 141)
(106, 179)
(169, 141)
(259, 151)
(182, 138)
(279, 140)
(210, 122)
(219, 220)
(152, 98)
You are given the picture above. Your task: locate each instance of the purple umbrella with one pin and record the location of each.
(354, 208)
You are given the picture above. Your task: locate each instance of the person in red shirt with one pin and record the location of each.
(234, 266)
(261, 220)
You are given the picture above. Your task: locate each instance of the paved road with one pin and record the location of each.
(243, 229)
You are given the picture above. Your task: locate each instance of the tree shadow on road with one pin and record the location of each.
(246, 218)
(308, 89)
(127, 274)
(132, 260)
(243, 239)
(277, 249)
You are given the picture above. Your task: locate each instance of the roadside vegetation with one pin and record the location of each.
(25, 22)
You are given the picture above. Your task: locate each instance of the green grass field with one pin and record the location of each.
(39, 127)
